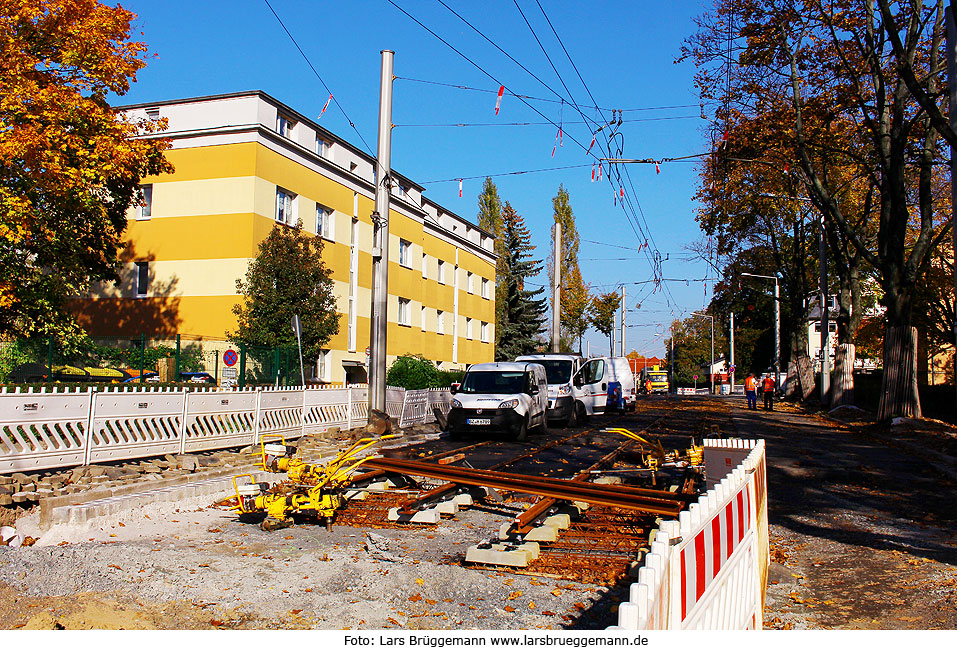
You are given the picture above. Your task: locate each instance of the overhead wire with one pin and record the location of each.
(319, 77)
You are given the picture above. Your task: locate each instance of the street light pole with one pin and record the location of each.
(710, 369)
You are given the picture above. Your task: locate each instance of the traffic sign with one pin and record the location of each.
(731, 369)
(368, 351)
(230, 358)
(695, 377)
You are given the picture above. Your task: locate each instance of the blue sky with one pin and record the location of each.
(625, 52)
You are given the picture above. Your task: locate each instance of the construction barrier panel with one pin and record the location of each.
(67, 427)
(708, 570)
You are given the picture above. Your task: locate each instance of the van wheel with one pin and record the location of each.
(582, 414)
(572, 421)
(523, 431)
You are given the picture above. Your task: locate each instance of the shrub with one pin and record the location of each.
(413, 372)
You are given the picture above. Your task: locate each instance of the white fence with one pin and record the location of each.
(708, 570)
(41, 430)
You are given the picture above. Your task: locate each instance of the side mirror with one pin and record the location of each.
(578, 381)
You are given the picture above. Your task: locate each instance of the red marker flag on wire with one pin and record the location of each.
(600, 166)
(498, 100)
(591, 145)
(657, 167)
(593, 172)
(325, 106)
(460, 188)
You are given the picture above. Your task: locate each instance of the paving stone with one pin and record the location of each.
(188, 463)
(6, 499)
(28, 487)
(114, 474)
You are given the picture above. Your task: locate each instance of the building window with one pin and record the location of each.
(485, 332)
(324, 223)
(468, 282)
(468, 328)
(323, 365)
(425, 265)
(285, 125)
(440, 322)
(405, 307)
(145, 209)
(399, 190)
(153, 113)
(284, 206)
(322, 148)
(405, 253)
(142, 278)
(422, 317)
(441, 275)
(486, 285)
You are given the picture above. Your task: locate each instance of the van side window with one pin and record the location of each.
(594, 371)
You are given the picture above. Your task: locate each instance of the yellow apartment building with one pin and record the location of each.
(244, 161)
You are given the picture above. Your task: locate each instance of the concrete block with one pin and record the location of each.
(430, 516)
(447, 507)
(503, 554)
(608, 480)
(355, 495)
(560, 521)
(581, 506)
(542, 534)
(462, 500)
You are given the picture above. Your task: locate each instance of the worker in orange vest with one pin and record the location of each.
(751, 391)
(769, 387)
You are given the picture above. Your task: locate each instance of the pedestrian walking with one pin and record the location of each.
(751, 391)
(769, 386)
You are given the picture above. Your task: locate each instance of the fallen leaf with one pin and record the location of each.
(509, 608)
(392, 621)
(514, 595)
(215, 623)
(122, 524)
(419, 581)
(548, 613)
(415, 597)
(431, 601)
(296, 611)
(557, 592)
(531, 605)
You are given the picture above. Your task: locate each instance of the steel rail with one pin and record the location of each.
(411, 505)
(523, 523)
(651, 501)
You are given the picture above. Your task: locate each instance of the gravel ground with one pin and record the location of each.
(862, 532)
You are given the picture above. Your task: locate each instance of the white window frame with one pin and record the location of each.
(404, 313)
(325, 222)
(485, 331)
(405, 253)
(468, 328)
(322, 147)
(425, 265)
(422, 317)
(468, 282)
(141, 280)
(440, 322)
(441, 274)
(145, 211)
(285, 206)
(324, 364)
(285, 126)
(486, 285)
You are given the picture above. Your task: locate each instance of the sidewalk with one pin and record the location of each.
(863, 533)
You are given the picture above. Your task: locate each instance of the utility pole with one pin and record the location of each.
(952, 76)
(380, 240)
(825, 359)
(622, 344)
(731, 331)
(556, 286)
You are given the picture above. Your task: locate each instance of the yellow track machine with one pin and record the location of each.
(311, 490)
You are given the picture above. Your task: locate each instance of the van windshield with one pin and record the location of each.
(494, 382)
(556, 371)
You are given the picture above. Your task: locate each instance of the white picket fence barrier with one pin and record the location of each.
(66, 427)
(708, 569)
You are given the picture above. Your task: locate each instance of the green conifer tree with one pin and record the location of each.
(523, 311)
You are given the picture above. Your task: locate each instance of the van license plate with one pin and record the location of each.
(478, 421)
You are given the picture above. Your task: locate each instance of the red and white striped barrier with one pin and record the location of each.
(708, 569)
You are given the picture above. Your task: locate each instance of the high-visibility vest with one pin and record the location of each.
(749, 384)
(768, 384)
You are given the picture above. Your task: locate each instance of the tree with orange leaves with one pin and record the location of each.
(70, 166)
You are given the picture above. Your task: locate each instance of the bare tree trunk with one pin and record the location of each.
(842, 385)
(899, 396)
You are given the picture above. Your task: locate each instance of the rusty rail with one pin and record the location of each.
(656, 502)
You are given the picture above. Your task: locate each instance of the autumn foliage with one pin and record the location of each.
(70, 166)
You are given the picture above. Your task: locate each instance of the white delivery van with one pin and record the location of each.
(595, 377)
(564, 404)
(508, 398)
